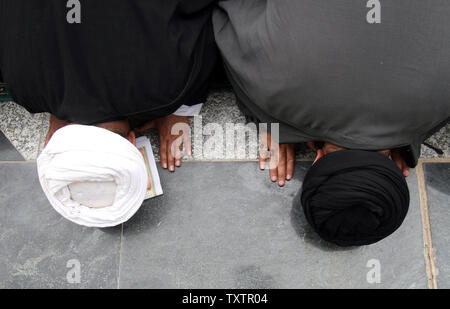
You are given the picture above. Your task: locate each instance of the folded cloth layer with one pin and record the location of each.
(310, 66)
(354, 197)
(132, 59)
(78, 154)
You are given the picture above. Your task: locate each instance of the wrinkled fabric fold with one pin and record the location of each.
(87, 154)
(126, 59)
(354, 197)
(325, 74)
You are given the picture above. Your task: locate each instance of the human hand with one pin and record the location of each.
(398, 159)
(174, 131)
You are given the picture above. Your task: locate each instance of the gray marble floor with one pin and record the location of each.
(37, 245)
(247, 234)
(252, 234)
(27, 132)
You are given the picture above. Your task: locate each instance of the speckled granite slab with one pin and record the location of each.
(27, 132)
(7, 150)
(218, 225)
(23, 129)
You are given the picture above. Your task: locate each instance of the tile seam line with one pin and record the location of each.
(18, 162)
(426, 228)
(120, 258)
(232, 160)
(434, 160)
(185, 161)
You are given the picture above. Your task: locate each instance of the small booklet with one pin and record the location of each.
(144, 146)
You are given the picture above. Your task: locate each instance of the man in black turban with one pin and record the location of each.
(355, 197)
(119, 65)
(331, 77)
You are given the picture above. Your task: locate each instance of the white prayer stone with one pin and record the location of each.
(93, 194)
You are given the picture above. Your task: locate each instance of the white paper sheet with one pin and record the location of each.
(144, 146)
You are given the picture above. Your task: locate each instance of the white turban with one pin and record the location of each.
(92, 176)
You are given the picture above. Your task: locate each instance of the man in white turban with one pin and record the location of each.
(123, 66)
(92, 176)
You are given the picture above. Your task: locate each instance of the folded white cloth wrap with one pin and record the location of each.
(92, 176)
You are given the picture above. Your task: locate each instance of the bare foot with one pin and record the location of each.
(55, 125)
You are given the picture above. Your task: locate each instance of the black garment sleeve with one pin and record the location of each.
(127, 59)
(411, 153)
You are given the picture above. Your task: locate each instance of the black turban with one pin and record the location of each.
(354, 197)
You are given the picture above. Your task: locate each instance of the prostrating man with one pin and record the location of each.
(110, 64)
(363, 91)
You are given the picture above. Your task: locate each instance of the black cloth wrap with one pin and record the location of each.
(131, 59)
(355, 197)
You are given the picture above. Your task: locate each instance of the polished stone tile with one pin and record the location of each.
(221, 110)
(36, 243)
(437, 177)
(27, 132)
(441, 140)
(22, 129)
(214, 133)
(209, 131)
(7, 150)
(225, 225)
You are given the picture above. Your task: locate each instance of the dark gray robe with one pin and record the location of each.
(321, 70)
